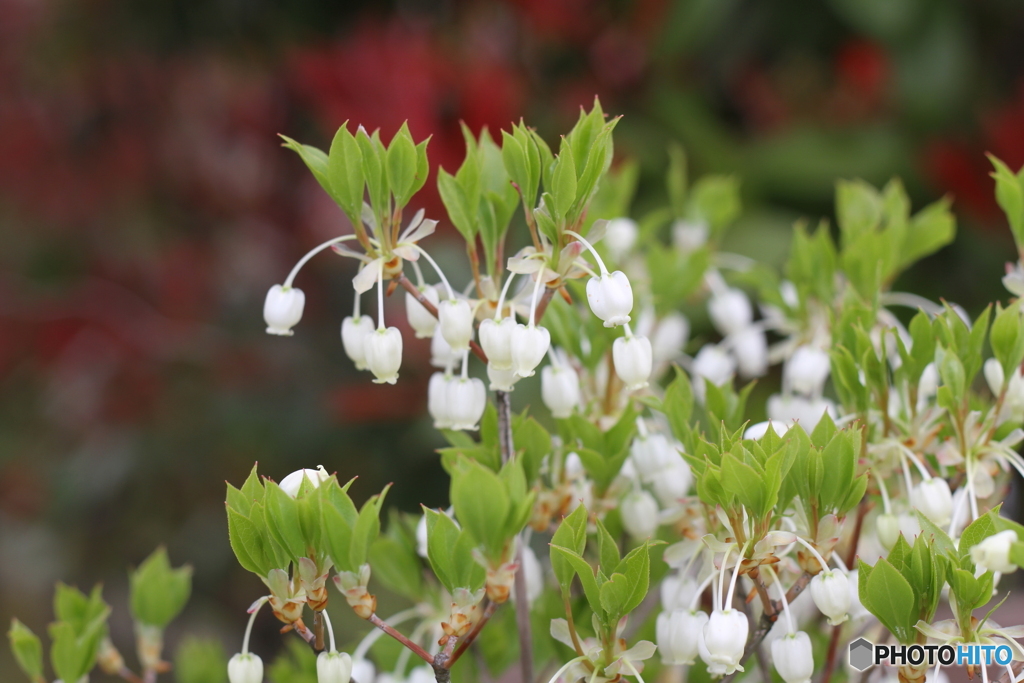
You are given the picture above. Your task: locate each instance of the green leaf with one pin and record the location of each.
(1007, 338)
(607, 549)
(481, 505)
(397, 567)
(746, 484)
(374, 158)
(858, 209)
(715, 200)
(282, 515)
(27, 649)
(457, 205)
(636, 566)
(932, 228)
(587, 578)
(158, 592)
(345, 171)
(367, 528)
(442, 535)
(200, 661)
(678, 405)
(571, 534)
(533, 441)
(977, 531)
(315, 160)
(1010, 195)
(563, 182)
(517, 165)
(401, 165)
(890, 597)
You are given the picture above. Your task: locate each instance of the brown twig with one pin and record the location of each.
(1016, 668)
(762, 662)
(471, 636)
(408, 286)
(318, 631)
(830, 658)
(390, 630)
(504, 401)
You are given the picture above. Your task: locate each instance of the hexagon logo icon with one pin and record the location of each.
(861, 654)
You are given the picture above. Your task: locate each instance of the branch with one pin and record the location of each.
(830, 658)
(1016, 668)
(390, 630)
(408, 286)
(128, 675)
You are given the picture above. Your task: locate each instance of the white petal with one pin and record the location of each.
(365, 278)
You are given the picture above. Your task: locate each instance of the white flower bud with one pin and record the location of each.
(573, 467)
(670, 337)
(384, 354)
(620, 235)
(928, 385)
(247, 668)
(725, 636)
(421, 541)
(534, 574)
(910, 526)
(793, 657)
(714, 365)
(437, 400)
(1014, 279)
(806, 371)
(689, 236)
(293, 482)
(831, 593)
(791, 409)
(529, 345)
(420, 319)
(888, 528)
(730, 311)
(560, 389)
(651, 454)
(673, 483)
(441, 353)
(363, 671)
(282, 309)
(496, 340)
(994, 376)
(934, 500)
(333, 667)
(353, 338)
(677, 592)
(611, 298)
(467, 399)
(751, 349)
(456, 323)
(501, 380)
(678, 634)
(633, 361)
(993, 554)
(639, 513)
(421, 674)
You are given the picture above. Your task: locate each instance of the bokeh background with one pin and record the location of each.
(146, 207)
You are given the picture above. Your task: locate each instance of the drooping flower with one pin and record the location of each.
(993, 553)
(633, 360)
(679, 633)
(282, 309)
(384, 354)
(830, 591)
(793, 657)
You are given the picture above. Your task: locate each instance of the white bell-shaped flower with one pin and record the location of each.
(793, 657)
(670, 337)
(993, 554)
(888, 527)
(620, 235)
(633, 361)
(750, 347)
(496, 341)
(830, 591)
(651, 454)
(534, 574)
(934, 500)
(437, 400)
(730, 311)
(441, 353)
(639, 513)
(293, 482)
(333, 667)
(759, 429)
(420, 319)
(529, 345)
(806, 371)
(467, 399)
(678, 634)
(245, 668)
(353, 338)
(560, 389)
(725, 636)
(363, 671)
(501, 380)
(384, 354)
(611, 298)
(714, 365)
(994, 376)
(456, 323)
(282, 309)
(791, 409)
(673, 483)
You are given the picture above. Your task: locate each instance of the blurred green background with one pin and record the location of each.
(145, 208)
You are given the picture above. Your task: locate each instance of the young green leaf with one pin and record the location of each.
(159, 592)
(27, 649)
